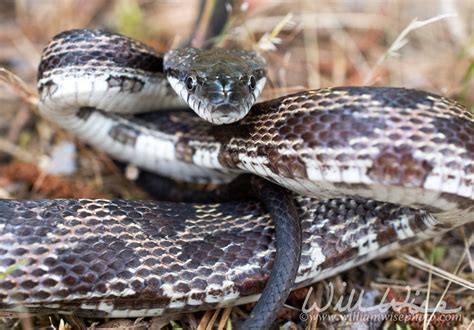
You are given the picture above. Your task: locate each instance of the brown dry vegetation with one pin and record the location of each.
(308, 44)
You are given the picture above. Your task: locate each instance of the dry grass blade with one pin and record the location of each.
(18, 86)
(268, 41)
(450, 281)
(467, 243)
(401, 41)
(200, 33)
(437, 271)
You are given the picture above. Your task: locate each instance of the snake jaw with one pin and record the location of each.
(218, 104)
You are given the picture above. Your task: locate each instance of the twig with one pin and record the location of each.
(213, 319)
(15, 151)
(224, 318)
(18, 86)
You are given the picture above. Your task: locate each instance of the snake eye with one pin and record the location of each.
(190, 83)
(252, 82)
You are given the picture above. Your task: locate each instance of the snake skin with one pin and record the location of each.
(391, 144)
(143, 258)
(89, 56)
(344, 147)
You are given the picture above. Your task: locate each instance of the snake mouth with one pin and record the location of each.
(226, 109)
(226, 113)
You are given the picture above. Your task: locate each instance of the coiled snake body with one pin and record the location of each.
(371, 169)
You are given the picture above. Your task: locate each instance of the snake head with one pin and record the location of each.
(220, 85)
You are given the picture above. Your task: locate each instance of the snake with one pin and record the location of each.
(370, 169)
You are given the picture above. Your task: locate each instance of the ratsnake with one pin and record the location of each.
(370, 168)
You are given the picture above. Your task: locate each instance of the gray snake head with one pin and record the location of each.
(220, 85)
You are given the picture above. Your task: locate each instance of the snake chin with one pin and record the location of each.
(225, 114)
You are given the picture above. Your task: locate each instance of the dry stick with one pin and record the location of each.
(313, 316)
(224, 318)
(204, 320)
(213, 319)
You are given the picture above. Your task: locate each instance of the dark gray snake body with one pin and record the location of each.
(345, 147)
(133, 258)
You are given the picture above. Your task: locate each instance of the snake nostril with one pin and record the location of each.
(234, 97)
(217, 97)
(222, 82)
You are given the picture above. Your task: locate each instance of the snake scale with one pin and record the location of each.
(371, 169)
